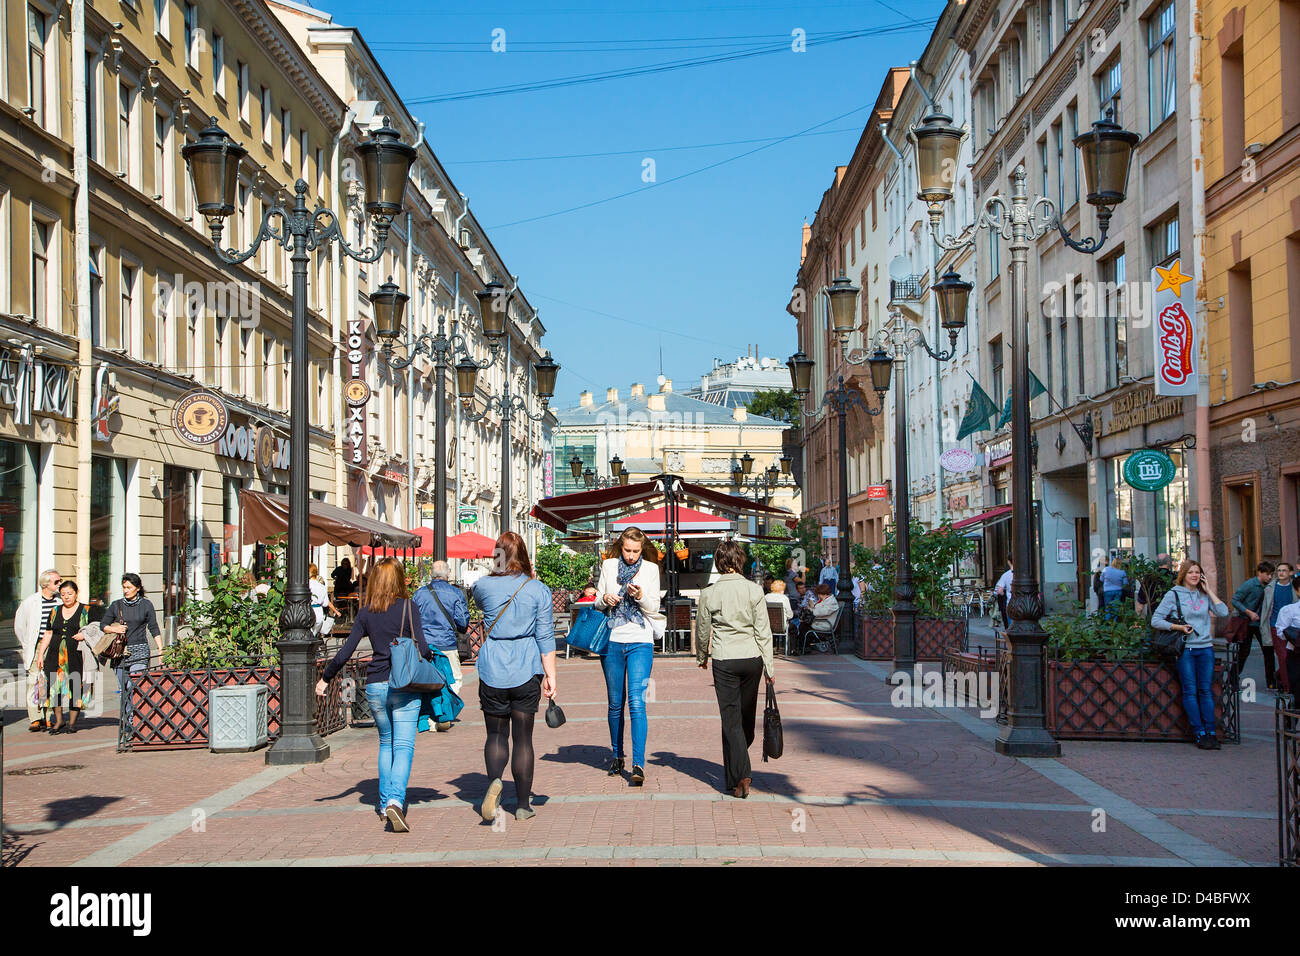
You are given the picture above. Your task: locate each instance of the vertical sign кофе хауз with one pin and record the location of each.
(355, 394)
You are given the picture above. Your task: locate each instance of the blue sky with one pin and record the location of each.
(702, 266)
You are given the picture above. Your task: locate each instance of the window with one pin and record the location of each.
(1064, 343)
(1049, 318)
(126, 307)
(1058, 140)
(37, 34)
(92, 106)
(108, 484)
(97, 296)
(1164, 240)
(1045, 28)
(1013, 68)
(44, 261)
(320, 172)
(1078, 352)
(125, 130)
(266, 116)
(1109, 81)
(242, 216)
(304, 151)
(1073, 113)
(1115, 321)
(244, 363)
(157, 321)
(995, 363)
(162, 174)
(160, 24)
(1043, 165)
(268, 347)
(994, 266)
(241, 88)
(219, 64)
(220, 359)
(1161, 81)
(192, 36)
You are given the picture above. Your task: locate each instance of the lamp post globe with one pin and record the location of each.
(882, 367)
(493, 302)
(844, 302)
(466, 378)
(547, 369)
(952, 295)
(385, 166)
(213, 162)
(389, 305)
(1106, 152)
(575, 467)
(801, 369)
(938, 146)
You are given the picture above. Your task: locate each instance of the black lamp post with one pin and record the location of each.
(494, 303)
(443, 349)
(843, 301)
(1106, 151)
(213, 161)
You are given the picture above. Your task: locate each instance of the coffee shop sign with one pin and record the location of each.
(240, 442)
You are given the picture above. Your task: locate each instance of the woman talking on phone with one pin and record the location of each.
(1191, 599)
(628, 589)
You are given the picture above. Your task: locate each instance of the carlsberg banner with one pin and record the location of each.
(1173, 319)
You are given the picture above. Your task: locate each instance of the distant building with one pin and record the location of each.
(733, 385)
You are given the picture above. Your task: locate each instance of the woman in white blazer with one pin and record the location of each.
(628, 591)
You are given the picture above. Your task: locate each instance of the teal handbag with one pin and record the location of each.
(407, 670)
(590, 631)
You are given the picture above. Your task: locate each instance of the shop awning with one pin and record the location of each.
(560, 510)
(266, 516)
(688, 519)
(992, 516)
(423, 550)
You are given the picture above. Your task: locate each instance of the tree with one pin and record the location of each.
(779, 403)
(559, 568)
(773, 555)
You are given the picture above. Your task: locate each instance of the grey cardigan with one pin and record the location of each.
(1196, 612)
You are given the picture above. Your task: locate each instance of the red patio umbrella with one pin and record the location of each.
(424, 550)
(470, 544)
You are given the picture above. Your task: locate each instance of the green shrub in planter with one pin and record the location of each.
(934, 553)
(559, 568)
(231, 626)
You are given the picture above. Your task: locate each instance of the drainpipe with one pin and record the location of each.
(336, 325)
(453, 520)
(81, 219)
(1205, 543)
(410, 369)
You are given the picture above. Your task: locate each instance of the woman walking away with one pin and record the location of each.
(386, 615)
(61, 652)
(133, 615)
(629, 590)
(1192, 598)
(732, 627)
(516, 668)
(1114, 579)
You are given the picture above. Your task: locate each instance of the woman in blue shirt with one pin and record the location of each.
(1113, 581)
(516, 668)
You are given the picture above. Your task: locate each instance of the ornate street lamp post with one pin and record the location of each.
(1106, 151)
(213, 162)
(840, 399)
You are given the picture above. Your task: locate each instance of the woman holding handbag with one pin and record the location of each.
(628, 591)
(1187, 607)
(386, 615)
(733, 628)
(516, 668)
(132, 616)
(60, 650)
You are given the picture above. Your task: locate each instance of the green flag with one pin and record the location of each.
(979, 409)
(1036, 388)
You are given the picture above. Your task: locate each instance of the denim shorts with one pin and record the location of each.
(500, 701)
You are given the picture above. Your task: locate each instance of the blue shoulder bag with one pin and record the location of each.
(407, 670)
(590, 631)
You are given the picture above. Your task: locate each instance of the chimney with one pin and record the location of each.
(638, 390)
(611, 395)
(704, 383)
(667, 386)
(585, 400)
(739, 413)
(655, 403)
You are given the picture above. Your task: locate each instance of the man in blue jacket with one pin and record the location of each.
(443, 612)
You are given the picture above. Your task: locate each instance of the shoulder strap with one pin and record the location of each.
(434, 592)
(504, 609)
(1178, 602)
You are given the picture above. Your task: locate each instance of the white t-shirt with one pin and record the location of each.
(1289, 616)
(319, 598)
(1004, 583)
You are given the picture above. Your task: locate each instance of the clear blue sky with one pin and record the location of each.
(703, 266)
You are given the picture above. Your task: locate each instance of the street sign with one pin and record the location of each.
(877, 492)
(1172, 307)
(466, 516)
(957, 460)
(830, 531)
(1149, 470)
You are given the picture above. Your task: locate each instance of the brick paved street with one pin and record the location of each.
(861, 782)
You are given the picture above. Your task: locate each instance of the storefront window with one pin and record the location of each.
(230, 488)
(1171, 512)
(1119, 505)
(177, 520)
(107, 529)
(17, 535)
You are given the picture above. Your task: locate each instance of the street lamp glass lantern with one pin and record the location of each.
(952, 294)
(575, 466)
(773, 474)
(882, 366)
(1106, 152)
(623, 478)
(213, 162)
(801, 369)
(389, 304)
(938, 147)
(616, 466)
(385, 165)
(546, 370)
(589, 478)
(466, 378)
(493, 302)
(737, 476)
(844, 302)
(786, 462)
(747, 463)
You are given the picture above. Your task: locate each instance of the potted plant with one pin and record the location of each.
(680, 550)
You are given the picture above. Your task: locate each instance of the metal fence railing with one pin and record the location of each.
(1287, 733)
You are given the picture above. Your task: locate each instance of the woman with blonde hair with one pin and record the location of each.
(628, 590)
(386, 614)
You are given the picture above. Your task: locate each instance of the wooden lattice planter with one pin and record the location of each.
(474, 633)
(934, 636)
(167, 709)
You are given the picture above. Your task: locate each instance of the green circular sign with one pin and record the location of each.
(1149, 470)
(468, 517)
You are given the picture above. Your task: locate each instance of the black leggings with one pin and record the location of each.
(497, 751)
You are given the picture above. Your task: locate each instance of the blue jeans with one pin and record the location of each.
(396, 714)
(630, 664)
(1196, 674)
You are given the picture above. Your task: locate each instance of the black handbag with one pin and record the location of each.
(1169, 644)
(554, 715)
(773, 741)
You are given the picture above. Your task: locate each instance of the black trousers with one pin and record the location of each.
(736, 685)
(1265, 648)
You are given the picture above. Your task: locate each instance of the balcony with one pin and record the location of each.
(907, 289)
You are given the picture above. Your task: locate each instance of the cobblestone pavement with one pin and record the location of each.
(861, 782)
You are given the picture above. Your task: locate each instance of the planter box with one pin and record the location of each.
(934, 636)
(237, 718)
(474, 633)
